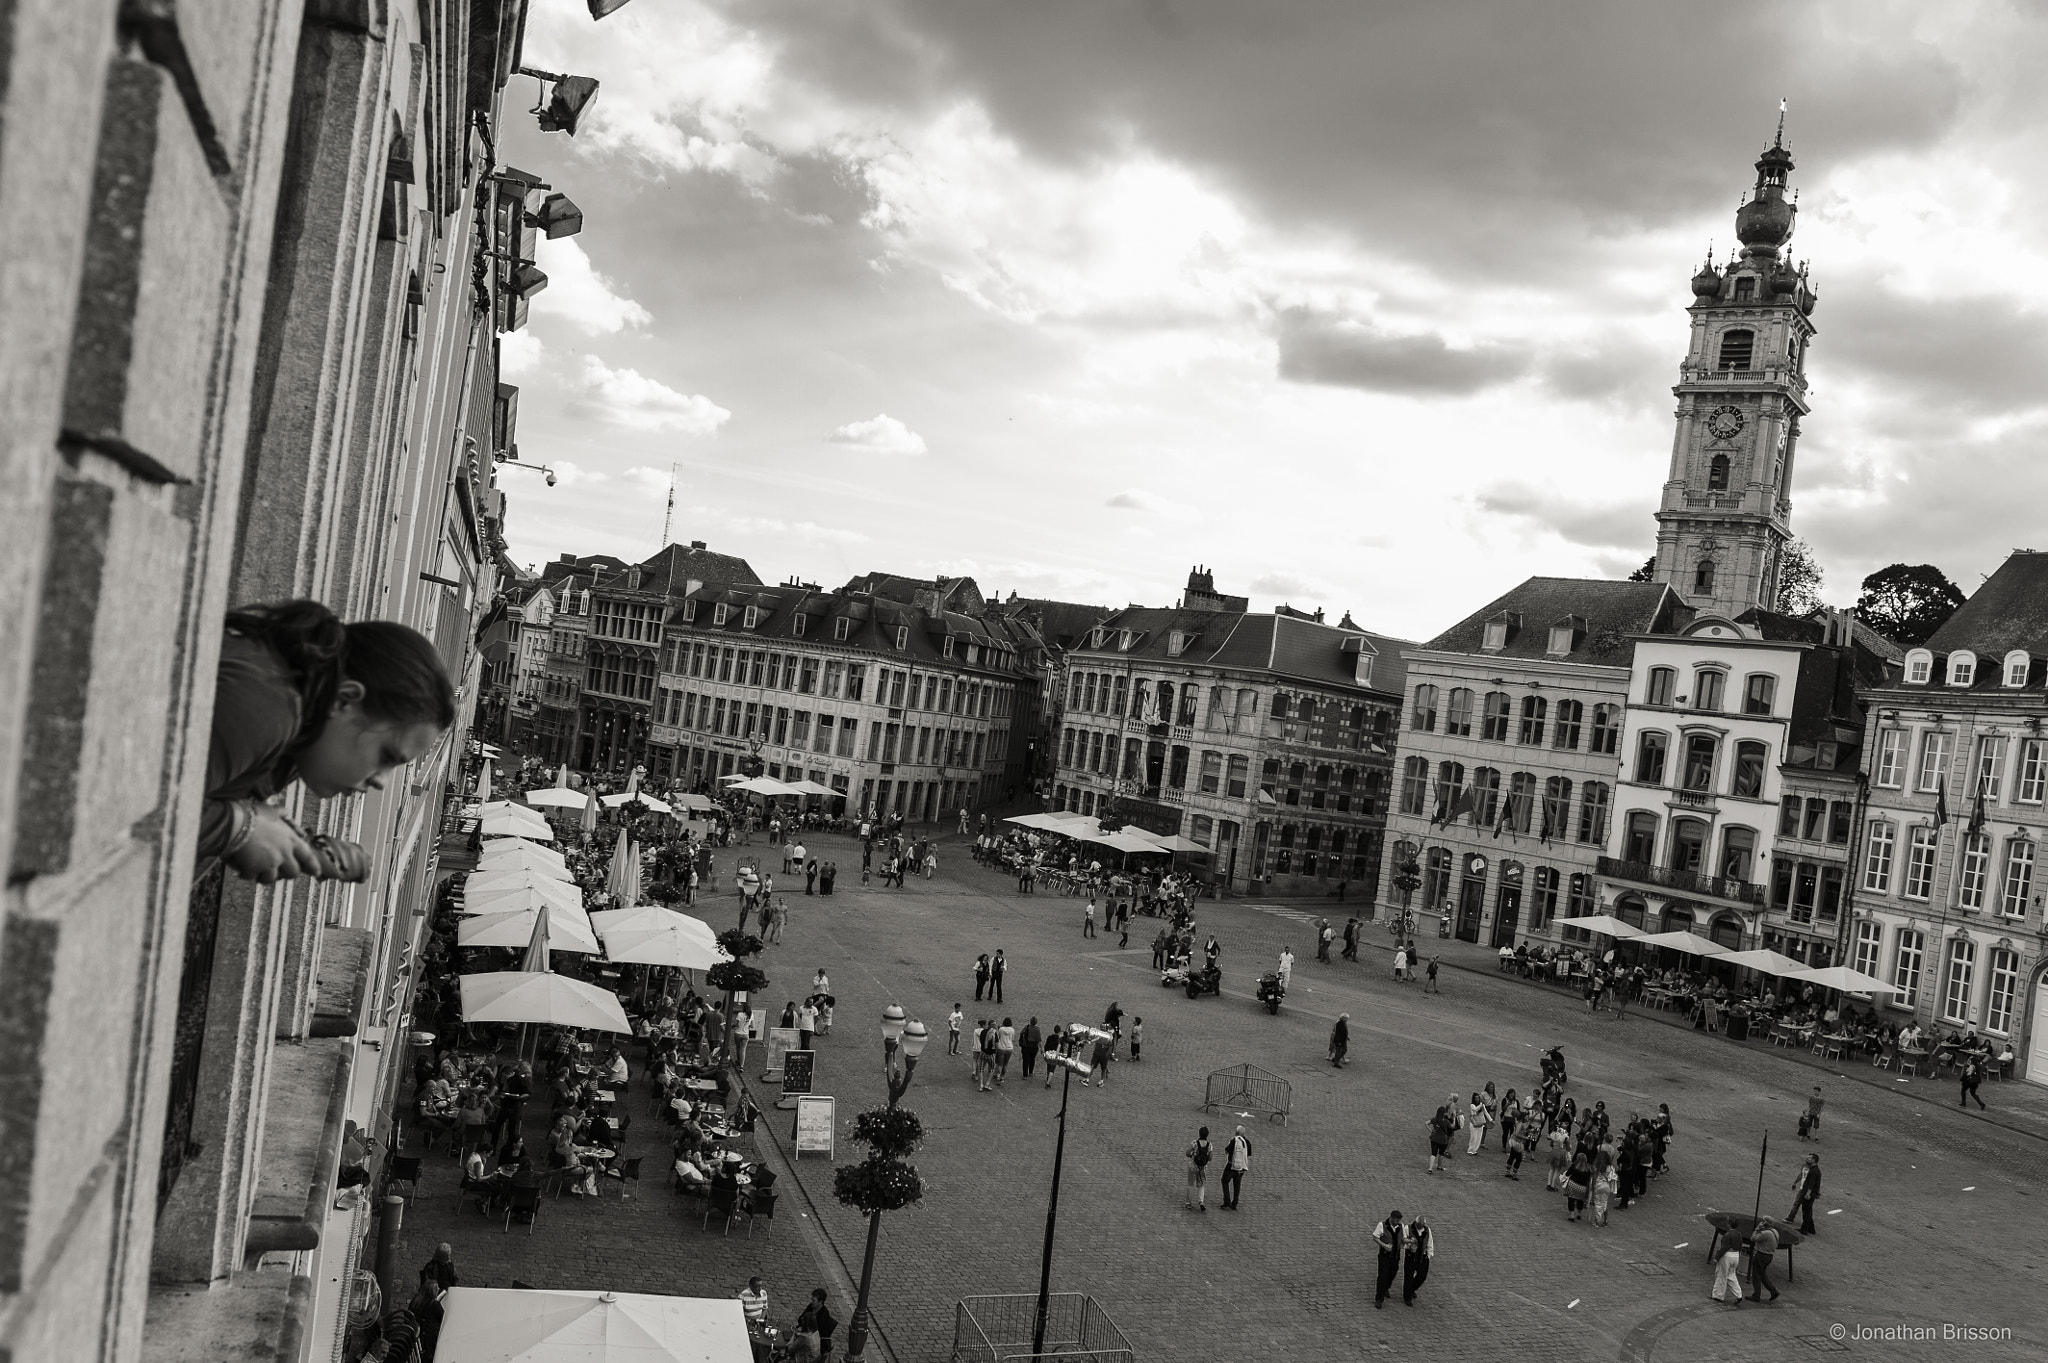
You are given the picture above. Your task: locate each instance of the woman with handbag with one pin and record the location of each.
(1577, 1184)
(1603, 1188)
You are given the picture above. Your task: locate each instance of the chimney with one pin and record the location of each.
(567, 558)
(696, 544)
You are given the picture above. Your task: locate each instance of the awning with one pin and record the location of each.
(501, 1325)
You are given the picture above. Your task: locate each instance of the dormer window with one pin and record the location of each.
(1363, 675)
(719, 613)
(1560, 641)
(1124, 639)
(948, 649)
(751, 618)
(1919, 667)
(796, 625)
(1095, 637)
(2017, 663)
(841, 627)
(903, 636)
(690, 611)
(1962, 668)
(1175, 643)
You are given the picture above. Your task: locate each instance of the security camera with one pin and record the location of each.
(551, 477)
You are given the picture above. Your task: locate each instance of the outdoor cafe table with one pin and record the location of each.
(1834, 1047)
(1913, 1055)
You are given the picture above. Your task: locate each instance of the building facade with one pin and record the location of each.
(1508, 757)
(1948, 903)
(1265, 739)
(903, 709)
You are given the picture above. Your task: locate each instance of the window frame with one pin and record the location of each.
(1565, 725)
(1651, 742)
(2016, 876)
(1709, 678)
(1752, 703)
(1919, 668)
(1422, 718)
(1958, 980)
(1923, 849)
(1962, 668)
(2017, 664)
(1891, 759)
(1880, 850)
(1660, 685)
(1909, 956)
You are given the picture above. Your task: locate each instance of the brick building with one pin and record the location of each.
(1948, 904)
(1267, 739)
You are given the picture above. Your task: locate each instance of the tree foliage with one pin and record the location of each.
(1799, 580)
(1907, 603)
(1646, 573)
(736, 977)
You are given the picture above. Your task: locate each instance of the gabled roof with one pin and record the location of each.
(1612, 612)
(1062, 624)
(677, 564)
(583, 566)
(872, 624)
(1285, 646)
(2010, 611)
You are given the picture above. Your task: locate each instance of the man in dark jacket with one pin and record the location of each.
(818, 1316)
(1805, 1189)
(1386, 1237)
(1029, 1042)
(996, 968)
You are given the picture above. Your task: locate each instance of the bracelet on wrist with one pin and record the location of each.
(244, 816)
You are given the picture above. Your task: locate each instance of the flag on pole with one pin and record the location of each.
(1977, 819)
(1549, 810)
(1940, 801)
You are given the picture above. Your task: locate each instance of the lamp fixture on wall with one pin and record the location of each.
(567, 102)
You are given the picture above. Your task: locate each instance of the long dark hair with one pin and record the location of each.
(400, 673)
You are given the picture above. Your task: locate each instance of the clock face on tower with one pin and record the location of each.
(1725, 423)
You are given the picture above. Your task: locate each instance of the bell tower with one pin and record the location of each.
(1727, 508)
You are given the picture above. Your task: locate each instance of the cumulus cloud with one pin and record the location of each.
(1288, 586)
(569, 473)
(1354, 353)
(881, 434)
(647, 478)
(579, 295)
(520, 354)
(625, 397)
(1151, 503)
(1572, 517)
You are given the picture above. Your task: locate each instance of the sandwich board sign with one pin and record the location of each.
(796, 1076)
(781, 1041)
(814, 1123)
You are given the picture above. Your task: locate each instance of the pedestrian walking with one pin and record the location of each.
(1006, 1044)
(1340, 1039)
(1476, 1122)
(1973, 1075)
(1728, 1278)
(986, 1039)
(1429, 985)
(811, 876)
(1237, 1162)
(980, 976)
(1324, 936)
(1286, 968)
(1400, 959)
(1809, 1122)
(1763, 1247)
(1137, 1037)
(1088, 918)
(1198, 1155)
(1387, 1238)
(1805, 1189)
(1105, 1051)
(1123, 926)
(1440, 1128)
(953, 1032)
(1578, 1184)
(1350, 952)
(1028, 1043)
(1603, 1174)
(1518, 1141)
(1159, 950)
(1560, 1161)
(1661, 1132)
(996, 968)
(1421, 1249)
(806, 1025)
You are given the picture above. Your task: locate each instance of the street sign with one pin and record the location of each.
(814, 1125)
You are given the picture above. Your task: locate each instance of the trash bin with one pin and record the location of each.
(1738, 1027)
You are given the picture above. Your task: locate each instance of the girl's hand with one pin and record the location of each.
(274, 850)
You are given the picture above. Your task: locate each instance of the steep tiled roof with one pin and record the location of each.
(872, 623)
(1612, 611)
(1062, 624)
(675, 566)
(559, 569)
(1279, 644)
(2010, 611)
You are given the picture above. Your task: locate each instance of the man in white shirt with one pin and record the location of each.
(754, 1301)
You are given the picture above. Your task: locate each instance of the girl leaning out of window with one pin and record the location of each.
(302, 697)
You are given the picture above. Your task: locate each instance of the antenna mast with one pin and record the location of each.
(669, 515)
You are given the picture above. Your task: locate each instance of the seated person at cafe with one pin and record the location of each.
(689, 1172)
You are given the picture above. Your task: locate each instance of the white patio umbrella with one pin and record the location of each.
(507, 898)
(516, 854)
(765, 785)
(1605, 924)
(658, 806)
(1843, 978)
(506, 825)
(521, 863)
(568, 929)
(1124, 842)
(670, 946)
(693, 801)
(632, 872)
(1767, 961)
(557, 797)
(1174, 842)
(1691, 943)
(495, 882)
(648, 918)
(540, 996)
(1074, 825)
(506, 807)
(502, 1325)
(810, 787)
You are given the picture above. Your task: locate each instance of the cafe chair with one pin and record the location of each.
(723, 1202)
(761, 1205)
(402, 1169)
(560, 1178)
(522, 1200)
(629, 1172)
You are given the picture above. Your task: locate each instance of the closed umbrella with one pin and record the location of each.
(615, 880)
(483, 782)
(589, 824)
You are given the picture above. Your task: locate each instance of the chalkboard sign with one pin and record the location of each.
(814, 1123)
(796, 1071)
(781, 1041)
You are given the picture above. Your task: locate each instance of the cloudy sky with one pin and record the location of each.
(1363, 305)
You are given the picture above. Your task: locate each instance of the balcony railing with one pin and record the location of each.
(1683, 882)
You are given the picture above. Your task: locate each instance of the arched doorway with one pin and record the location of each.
(1677, 919)
(1630, 910)
(1727, 930)
(2037, 1036)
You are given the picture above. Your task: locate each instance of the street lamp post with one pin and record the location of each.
(903, 1040)
(1072, 1066)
